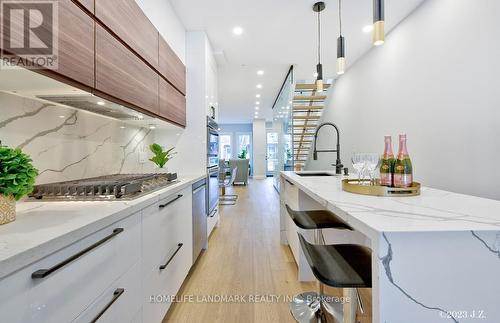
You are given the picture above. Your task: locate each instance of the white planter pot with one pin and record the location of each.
(163, 170)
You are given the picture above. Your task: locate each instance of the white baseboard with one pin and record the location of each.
(259, 177)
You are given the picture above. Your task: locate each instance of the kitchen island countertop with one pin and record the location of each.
(433, 210)
(435, 257)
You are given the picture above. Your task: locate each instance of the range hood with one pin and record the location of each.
(26, 83)
(95, 104)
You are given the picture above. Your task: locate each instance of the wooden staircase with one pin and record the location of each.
(308, 107)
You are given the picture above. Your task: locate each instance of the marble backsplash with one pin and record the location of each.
(68, 144)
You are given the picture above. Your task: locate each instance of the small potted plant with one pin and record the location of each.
(17, 178)
(243, 154)
(161, 157)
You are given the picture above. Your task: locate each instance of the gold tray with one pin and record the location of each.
(353, 186)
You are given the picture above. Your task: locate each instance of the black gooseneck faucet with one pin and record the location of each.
(338, 164)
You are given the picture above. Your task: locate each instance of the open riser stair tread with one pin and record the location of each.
(309, 97)
(308, 86)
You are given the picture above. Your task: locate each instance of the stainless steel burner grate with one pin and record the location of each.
(109, 187)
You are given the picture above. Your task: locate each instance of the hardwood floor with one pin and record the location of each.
(244, 258)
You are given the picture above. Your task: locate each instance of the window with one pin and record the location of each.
(244, 146)
(272, 152)
(225, 146)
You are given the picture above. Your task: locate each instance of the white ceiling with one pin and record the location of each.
(277, 34)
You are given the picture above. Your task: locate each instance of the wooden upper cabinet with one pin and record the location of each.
(172, 104)
(123, 75)
(171, 67)
(126, 19)
(76, 44)
(88, 4)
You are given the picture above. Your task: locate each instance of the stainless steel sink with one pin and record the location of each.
(315, 174)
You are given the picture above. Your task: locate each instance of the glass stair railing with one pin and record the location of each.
(297, 112)
(306, 112)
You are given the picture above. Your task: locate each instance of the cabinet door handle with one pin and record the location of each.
(289, 182)
(161, 206)
(42, 273)
(214, 212)
(199, 189)
(179, 246)
(117, 293)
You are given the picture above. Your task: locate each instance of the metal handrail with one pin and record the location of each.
(290, 71)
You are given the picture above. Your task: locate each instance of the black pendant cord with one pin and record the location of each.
(340, 17)
(319, 38)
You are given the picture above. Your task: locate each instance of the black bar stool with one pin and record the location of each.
(305, 305)
(316, 219)
(340, 266)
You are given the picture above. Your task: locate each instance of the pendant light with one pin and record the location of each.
(378, 22)
(340, 45)
(318, 7)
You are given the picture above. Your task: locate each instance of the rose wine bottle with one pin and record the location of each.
(387, 166)
(403, 172)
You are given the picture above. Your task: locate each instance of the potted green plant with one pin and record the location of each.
(161, 157)
(243, 154)
(17, 178)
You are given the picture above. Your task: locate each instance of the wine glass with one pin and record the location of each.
(372, 161)
(358, 163)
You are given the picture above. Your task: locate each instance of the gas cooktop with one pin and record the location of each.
(103, 188)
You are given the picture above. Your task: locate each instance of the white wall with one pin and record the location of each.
(163, 16)
(195, 51)
(259, 148)
(191, 142)
(437, 78)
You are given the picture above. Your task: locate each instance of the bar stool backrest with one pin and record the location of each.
(233, 176)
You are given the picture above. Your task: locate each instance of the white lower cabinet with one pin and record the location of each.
(162, 285)
(61, 286)
(14, 294)
(119, 303)
(167, 252)
(113, 275)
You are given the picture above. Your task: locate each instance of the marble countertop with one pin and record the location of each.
(433, 210)
(42, 228)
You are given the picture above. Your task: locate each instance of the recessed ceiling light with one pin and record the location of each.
(152, 126)
(122, 127)
(259, 86)
(315, 74)
(257, 95)
(237, 30)
(260, 72)
(101, 103)
(257, 102)
(62, 117)
(368, 28)
(256, 108)
(140, 116)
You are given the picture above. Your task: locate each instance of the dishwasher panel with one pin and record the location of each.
(199, 218)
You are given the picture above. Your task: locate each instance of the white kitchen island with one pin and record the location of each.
(433, 255)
